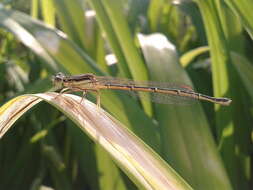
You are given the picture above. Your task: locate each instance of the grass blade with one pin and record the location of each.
(243, 9)
(220, 73)
(181, 130)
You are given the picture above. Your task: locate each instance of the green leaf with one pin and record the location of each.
(243, 9)
(106, 26)
(154, 13)
(119, 24)
(136, 66)
(184, 129)
(221, 59)
(242, 81)
(189, 56)
(35, 8)
(82, 147)
(10, 20)
(48, 43)
(72, 22)
(245, 70)
(48, 12)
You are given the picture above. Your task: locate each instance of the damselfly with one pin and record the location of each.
(159, 92)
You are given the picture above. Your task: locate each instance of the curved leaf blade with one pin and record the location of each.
(8, 21)
(189, 56)
(50, 44)
(132, 155)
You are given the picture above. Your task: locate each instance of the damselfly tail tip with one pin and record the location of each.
(226, 102)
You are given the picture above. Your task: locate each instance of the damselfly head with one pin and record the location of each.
(58, 80)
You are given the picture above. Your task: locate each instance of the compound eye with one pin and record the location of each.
(58, 77)
(60, 74)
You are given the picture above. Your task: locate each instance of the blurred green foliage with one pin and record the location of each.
(208, 46)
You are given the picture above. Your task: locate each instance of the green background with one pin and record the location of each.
(206, 44)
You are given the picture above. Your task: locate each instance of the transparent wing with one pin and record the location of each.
(120, 81)
(153, 96)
